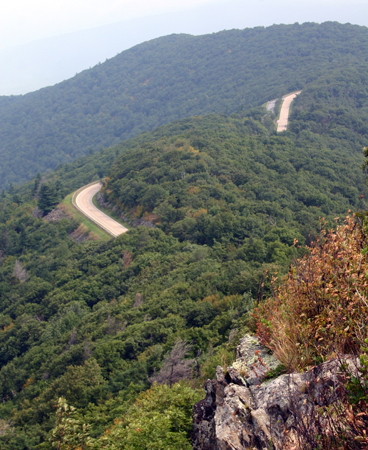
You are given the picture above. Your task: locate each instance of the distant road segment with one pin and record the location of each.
(284, 113)
(82, 200)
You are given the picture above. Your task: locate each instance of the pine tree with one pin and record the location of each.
(37, 183)
(48, 198)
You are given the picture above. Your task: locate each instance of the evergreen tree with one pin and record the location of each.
(48, 198)
(37, 183)
(16, 199)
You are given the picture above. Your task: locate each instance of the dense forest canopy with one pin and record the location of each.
(97, 322)
(329, 119)
(216, 181)
(164, 80)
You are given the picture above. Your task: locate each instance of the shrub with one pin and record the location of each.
(320, 309)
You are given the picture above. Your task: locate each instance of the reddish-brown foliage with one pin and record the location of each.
(321, 308)
(321, 311)
(127, 259)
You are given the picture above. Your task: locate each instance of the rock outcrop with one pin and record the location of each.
(54, 216)
(241, 412)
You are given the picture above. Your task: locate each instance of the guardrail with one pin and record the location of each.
(74, 196)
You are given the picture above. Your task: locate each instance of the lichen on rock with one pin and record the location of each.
(253, 360)
(242, 412)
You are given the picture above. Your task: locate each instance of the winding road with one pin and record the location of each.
(82, 200)
(284, 113)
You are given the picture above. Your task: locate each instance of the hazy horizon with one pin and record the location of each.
(48, 61)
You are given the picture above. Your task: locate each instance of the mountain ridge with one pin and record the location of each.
(164, 80)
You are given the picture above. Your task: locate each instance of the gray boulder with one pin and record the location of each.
(241, 412)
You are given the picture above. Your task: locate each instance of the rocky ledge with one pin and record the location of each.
(245, 410)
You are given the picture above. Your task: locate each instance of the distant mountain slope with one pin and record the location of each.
(163, 80)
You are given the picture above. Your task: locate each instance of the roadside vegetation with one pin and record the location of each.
(96, 232)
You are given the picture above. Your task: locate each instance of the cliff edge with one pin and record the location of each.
(244, 409)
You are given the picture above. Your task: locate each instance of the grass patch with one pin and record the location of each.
(95, 230)
(279, 370)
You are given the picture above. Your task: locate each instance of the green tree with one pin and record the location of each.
(161, 418)
(37, 182)
(70, 433)
(48, 198)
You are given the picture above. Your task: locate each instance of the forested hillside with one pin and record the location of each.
(164, 80)
(97, 323)
(215, 177)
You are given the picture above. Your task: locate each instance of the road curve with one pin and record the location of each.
(284, 113)
(82, 200)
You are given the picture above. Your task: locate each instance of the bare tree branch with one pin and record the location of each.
(175, 366)
(20, 272)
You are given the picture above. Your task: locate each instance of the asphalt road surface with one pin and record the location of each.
(83, 202)
(284, 113)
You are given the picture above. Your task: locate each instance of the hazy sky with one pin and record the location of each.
(43, 42)
(23, 21)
